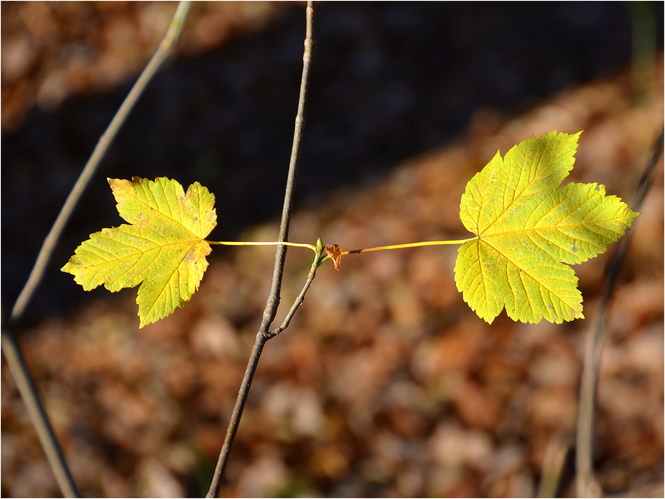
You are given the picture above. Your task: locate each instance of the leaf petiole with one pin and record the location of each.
(263, 243)
(407, 245)
(400, 246)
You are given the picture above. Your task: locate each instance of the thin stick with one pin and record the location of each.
(10, 347)
(280, 254)
(553, 468)
(232, 429)
(164, 49)
(301, 297)
(37, 413)
(591, 367)
(246, 383)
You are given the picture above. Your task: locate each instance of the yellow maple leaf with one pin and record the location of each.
(163, 250)
(527, 228)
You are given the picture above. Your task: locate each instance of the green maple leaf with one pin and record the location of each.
(528, 227)
(163, 250)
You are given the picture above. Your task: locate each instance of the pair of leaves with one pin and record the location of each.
(163, 250)
(527, 229)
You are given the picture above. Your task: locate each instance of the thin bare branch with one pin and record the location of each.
(164, 49)
(553, 469)
(301, 297)
(280, 255)
(586, 486)
(10, 346)
(37, 413)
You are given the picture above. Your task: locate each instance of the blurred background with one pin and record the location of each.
(386, 384)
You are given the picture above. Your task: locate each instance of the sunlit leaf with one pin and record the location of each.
(163, 249)
(528, 228)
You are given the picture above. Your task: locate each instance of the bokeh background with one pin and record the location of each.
(386, 384)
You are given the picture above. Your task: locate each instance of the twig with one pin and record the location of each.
(37, 412)
(10, 347)
(553, 469)
(591, 367)
(164, 49)
(243, 392)
(280, 255)
(301, 297)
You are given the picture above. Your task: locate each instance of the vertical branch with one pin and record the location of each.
(10, 346)
(280, 255)
(554, 468)
(37, 414)
(280, 252)
(591, 367)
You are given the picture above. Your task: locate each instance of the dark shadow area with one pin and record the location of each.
(390, 80)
